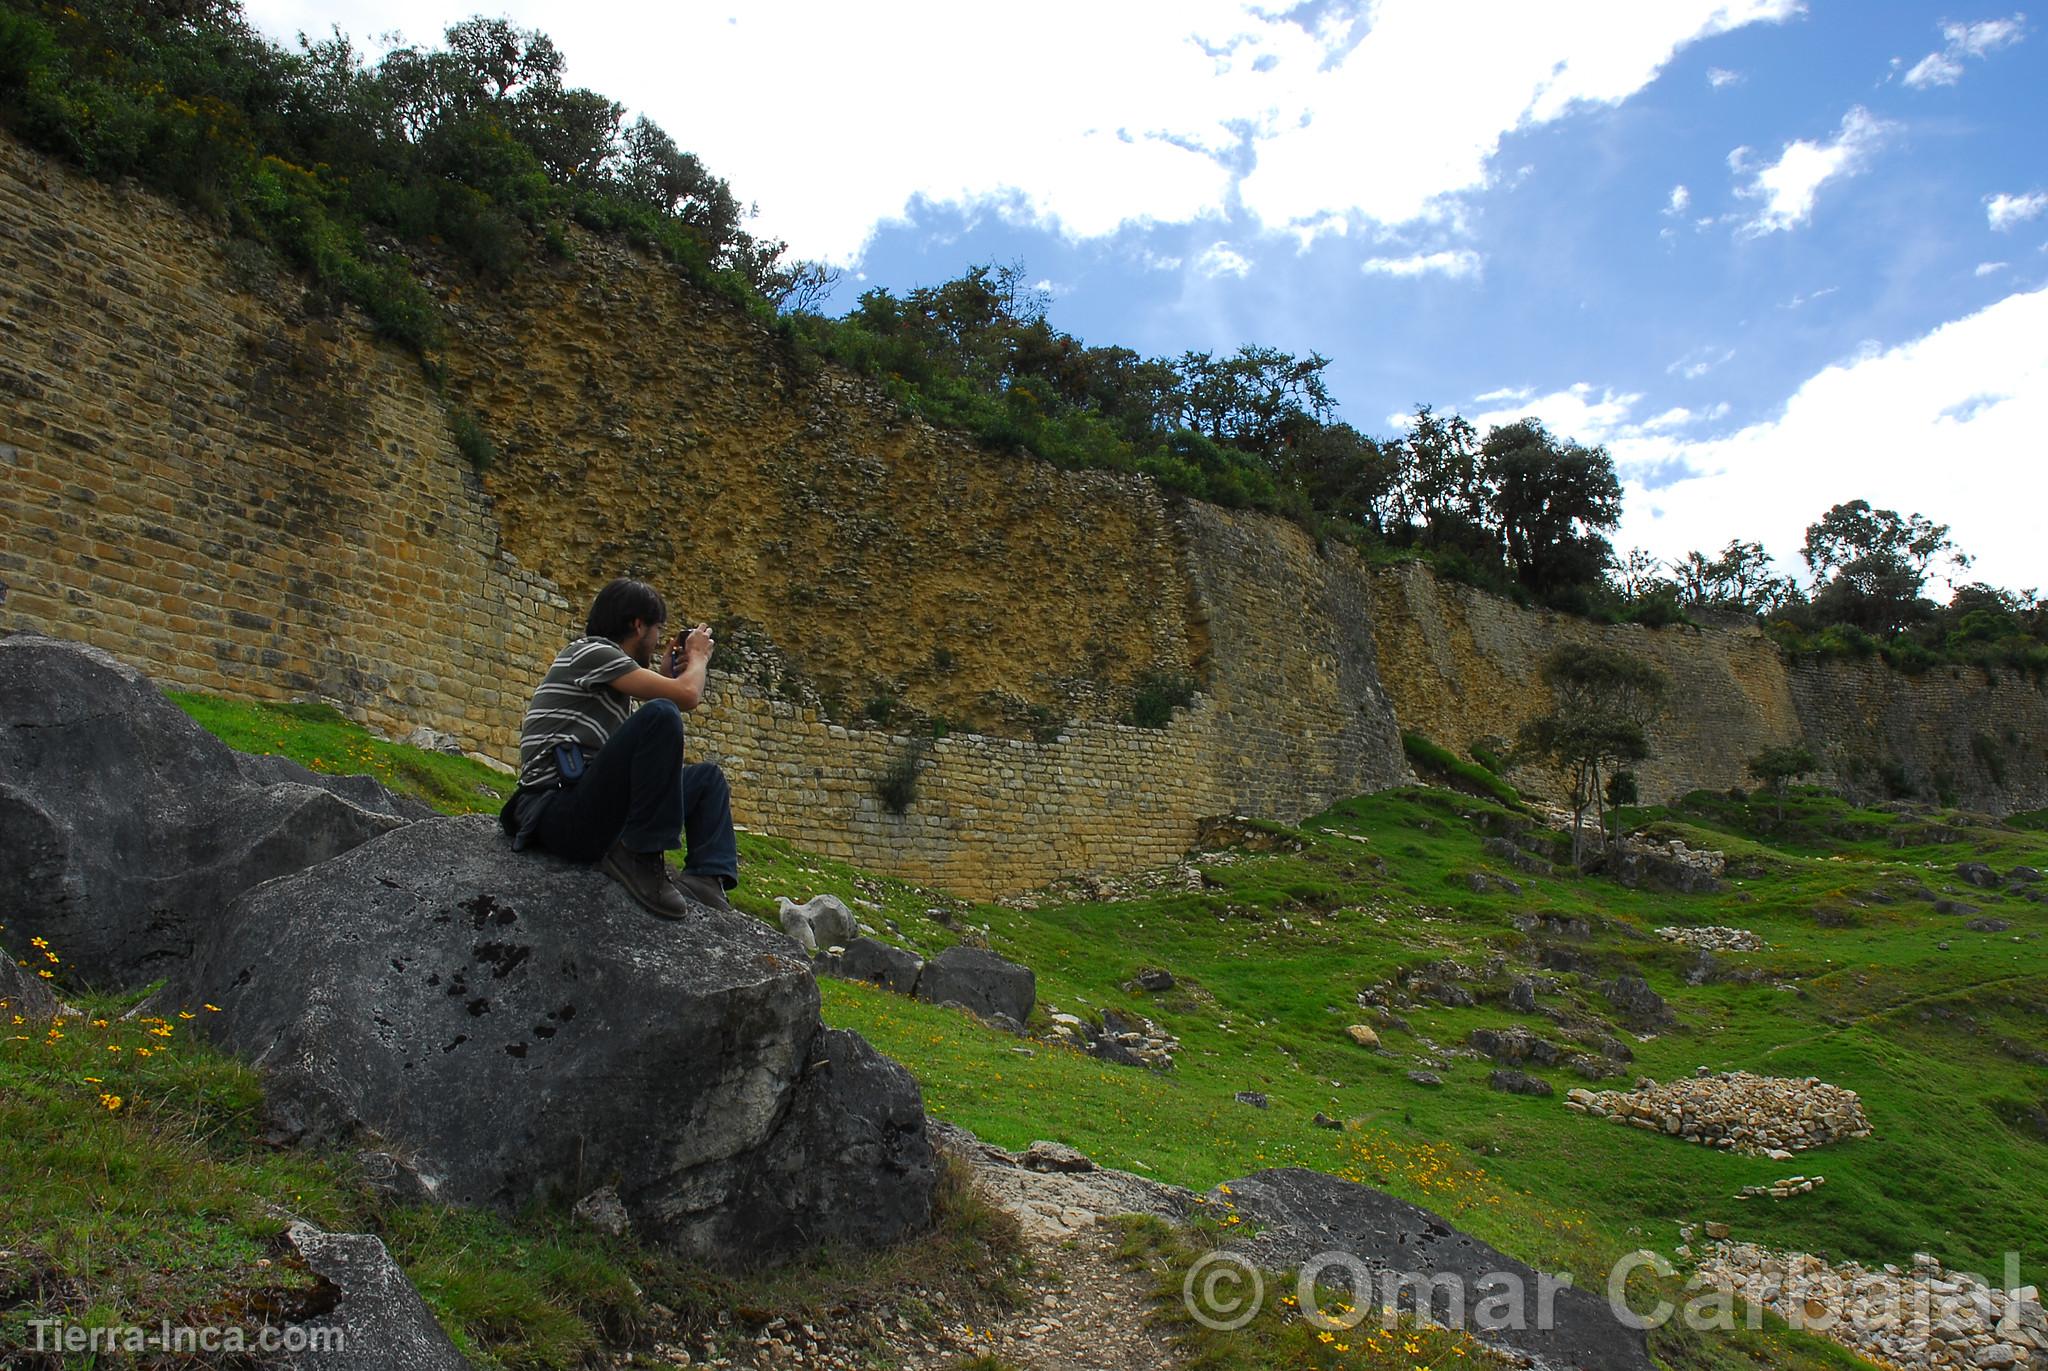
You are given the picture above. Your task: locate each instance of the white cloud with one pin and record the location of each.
(2004, 211)
(1574, 413)
(1991, 268)
(1457, 264)
(1221, 259)
(1699, 362)
(1680, 201)
(1164, 109)
(1800, 300)
(1515, 393)
(1960, 41)
(1946, 424)
(1720, 77)
(1789, 186)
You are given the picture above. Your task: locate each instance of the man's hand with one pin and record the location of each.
(679, 675)
(697, 645)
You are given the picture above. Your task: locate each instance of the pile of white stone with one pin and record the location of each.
(1133, 1040)
(1714, 938)
(1784, 1189)
(1926, 1317)
(1772, 1116)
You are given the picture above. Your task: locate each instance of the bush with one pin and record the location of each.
(471, 440)
(1156, 695)
(897, 787)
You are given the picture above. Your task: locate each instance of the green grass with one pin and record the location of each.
(1863, 984)
(317, 736)
(1437, 763)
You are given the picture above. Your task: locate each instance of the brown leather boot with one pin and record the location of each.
(645, 876)
(703, 889)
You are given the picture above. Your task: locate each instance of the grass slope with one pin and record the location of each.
(1863, 984)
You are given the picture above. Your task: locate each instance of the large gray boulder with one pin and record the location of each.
(1295, 1214)
(516, 1028)
(125, 827)
(874, 961)
(978, 978)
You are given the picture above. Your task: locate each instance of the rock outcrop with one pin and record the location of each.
(1419, 1259)
(377, 1322)
(125, 828)
(22, 991)
(982, 981)
(516, 1028)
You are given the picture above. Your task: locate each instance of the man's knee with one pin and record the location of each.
(706, 779)
(660, 717)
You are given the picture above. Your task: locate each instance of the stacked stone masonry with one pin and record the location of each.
(246, 497)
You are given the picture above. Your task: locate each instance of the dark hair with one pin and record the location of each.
(616, 607)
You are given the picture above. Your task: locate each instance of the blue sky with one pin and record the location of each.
(1773, 254)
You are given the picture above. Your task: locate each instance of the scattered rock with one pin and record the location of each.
(979, 979)
(377, 1320)
(1051, 1156)
(1522, 996)
(1642, 1007)
(1987, 925)
(1714, 938)
(1117, 1038)
(1515, 1044)
(1322, 1120)
(1363, 1035)
(441, 984)
(1155, 979)
(1255, 1098)
(602, 1210)
(1486, 883)
(2023, 875)
(1517, 857)
(1977, 874)
(1428, 1079)
(1638, 863)
(1957, 907)
(1922, 1319)
(125, 827)
(1767, 1115)
(820, 922)
(871, 960)
(1519, 1083)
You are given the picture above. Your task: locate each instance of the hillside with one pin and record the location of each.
(1874, 976)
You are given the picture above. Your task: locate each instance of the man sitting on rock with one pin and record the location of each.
(603, 780)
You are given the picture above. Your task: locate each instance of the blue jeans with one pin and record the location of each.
(636, 791)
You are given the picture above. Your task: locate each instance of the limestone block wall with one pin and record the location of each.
(232, 496)
(1284, 634)
(1980, 737)
(1463, 666)
(241, 498)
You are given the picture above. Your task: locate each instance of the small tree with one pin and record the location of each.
(1778, 767)
(1605, 701)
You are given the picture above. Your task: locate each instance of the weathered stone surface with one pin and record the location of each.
(1363, 1034)
(821, 922)
(1640, 1006)
(364, 792)
(1977, 874)
(1514, 1082)
(1299, 1213)
(378, 1321)
(22, 991)
(874, 961)
(126, 828)
(979, 979)
(516, 1026)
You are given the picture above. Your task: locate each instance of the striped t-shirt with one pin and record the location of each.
(575, 703)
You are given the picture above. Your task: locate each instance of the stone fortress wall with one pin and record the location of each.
(244, 497)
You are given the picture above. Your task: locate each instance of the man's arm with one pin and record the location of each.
(686, 687)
